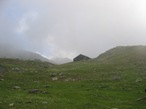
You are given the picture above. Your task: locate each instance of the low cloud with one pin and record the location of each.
(67, 28)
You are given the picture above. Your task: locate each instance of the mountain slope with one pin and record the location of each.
(124, 54)
(6, 52)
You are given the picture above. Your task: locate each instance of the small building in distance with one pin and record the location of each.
(81, 58)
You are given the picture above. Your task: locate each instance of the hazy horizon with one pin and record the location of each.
(66, 28)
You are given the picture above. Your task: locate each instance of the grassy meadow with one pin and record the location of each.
(88, 84)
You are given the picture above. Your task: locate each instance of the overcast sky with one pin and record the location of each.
(66, 28)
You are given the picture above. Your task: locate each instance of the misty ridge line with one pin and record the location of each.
(62, 30)
(28, 55)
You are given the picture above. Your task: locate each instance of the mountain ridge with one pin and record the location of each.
(14, 53)
(123, 54)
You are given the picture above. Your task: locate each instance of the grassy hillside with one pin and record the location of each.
(124, 54)
(115, 80)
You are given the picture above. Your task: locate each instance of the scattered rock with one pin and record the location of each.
(1, 76)
(141, 99)
(2, 70)
(47, 86)
(69, 79)
(11, 105)
(44, 102)
(1, 79)
(44, 92)
(36, 81)
(54, 78)
(61, 74)
(116, 78)
(16, 69)
(25, 69)
(34, 91)
(16, 87)
(35, 71)
(53, 74)
(138, 80)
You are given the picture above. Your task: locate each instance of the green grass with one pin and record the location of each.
(80, 85)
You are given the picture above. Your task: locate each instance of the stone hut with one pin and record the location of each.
(80, 58)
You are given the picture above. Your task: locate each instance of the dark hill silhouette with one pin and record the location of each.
(80, 58)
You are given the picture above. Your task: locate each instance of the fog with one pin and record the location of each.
(66, 28)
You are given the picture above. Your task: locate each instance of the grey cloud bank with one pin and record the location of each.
(66, 28)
